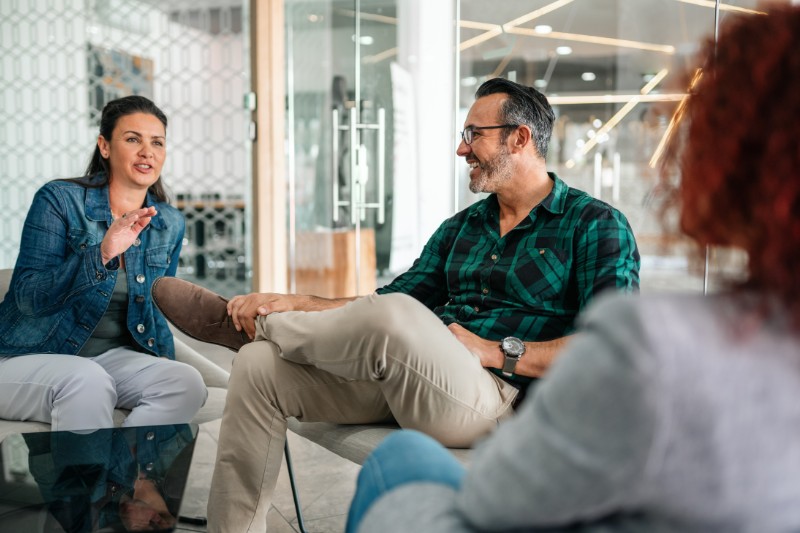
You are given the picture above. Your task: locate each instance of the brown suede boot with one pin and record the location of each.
(197, 312)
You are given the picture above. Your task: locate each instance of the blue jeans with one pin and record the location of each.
(405, 456)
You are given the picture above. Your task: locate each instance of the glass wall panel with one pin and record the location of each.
(363, 131)
(60, 62)
(614, 72)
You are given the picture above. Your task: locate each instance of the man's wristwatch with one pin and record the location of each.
(513, 348)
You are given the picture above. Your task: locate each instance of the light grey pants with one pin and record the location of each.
(373, 359)
(78, 393)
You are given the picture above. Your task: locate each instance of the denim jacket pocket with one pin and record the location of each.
(24, 332)
(81, 239)
(158, 260)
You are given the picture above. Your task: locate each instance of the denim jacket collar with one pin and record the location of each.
(98, 206)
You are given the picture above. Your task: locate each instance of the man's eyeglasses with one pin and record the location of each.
(468, 133)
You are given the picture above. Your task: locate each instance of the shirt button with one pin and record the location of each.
(476, 308)
(485, 291)
(494, 257)
(541, 252)
(150, 435)
(83, 246)
(140, 328)
(139, 299)
(137, 242)
(151, 342)
(140, 278)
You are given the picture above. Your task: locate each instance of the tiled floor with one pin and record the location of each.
(325, 481)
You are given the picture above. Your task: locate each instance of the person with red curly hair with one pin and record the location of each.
(668, 413)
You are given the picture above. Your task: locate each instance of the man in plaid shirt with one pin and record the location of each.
(447, 347)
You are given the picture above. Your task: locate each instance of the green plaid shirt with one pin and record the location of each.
(532, 282)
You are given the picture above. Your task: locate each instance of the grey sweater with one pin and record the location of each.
(667, 413)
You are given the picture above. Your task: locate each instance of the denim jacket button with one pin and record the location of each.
(98, 275)
(139, 299)
(140, 328)
(137, 242)
(151, 342)
(140, 278)
(150, 435)
(149, 467)
(83, 246)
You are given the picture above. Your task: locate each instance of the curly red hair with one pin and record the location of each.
(740, 161)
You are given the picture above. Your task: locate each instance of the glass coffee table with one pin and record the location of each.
(108, 480)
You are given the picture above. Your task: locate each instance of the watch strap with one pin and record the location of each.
(509, 365)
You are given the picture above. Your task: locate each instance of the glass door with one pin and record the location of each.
(337, 136)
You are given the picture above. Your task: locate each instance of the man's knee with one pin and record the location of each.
(396, 315)
(253, 369)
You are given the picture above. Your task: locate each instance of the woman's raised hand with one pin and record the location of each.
(124, 231)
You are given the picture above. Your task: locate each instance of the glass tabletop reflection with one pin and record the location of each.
(108, 480)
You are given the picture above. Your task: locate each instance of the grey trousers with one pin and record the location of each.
(77, 393)
(374, 359)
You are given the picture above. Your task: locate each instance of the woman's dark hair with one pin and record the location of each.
(739, 152)
(524, 106)
(112, 112)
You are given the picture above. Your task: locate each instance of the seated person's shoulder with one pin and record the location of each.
(591, 208)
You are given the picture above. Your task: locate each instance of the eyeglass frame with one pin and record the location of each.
(471, 129)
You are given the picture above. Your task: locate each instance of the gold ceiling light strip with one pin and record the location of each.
(614, 99)
(506, 60)
(619, 115)
(483, 37)
(473, 25)
(723, 7)
(676, 118)
(536, 14)
(660, 75)
(368, 16)
(377, 58)
(613, 121)
(594, 39)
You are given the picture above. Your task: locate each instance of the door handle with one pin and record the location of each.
(359, 166)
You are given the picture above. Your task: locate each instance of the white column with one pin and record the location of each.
(425, 49)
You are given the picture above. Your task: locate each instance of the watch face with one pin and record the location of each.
(512, 346)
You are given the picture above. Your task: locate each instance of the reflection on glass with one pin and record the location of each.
(615, 73)
(124, 479)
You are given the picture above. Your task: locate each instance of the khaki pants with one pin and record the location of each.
(373, 359)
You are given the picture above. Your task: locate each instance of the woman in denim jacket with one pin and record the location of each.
(91, 248)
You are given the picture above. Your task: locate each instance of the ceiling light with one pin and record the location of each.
(537, 13)
(539, 84)
(365, 40)
(469, 81)
(597, 123)
(564, 50)
(722, 7)
(588, 76)
(594, 39)
(543, 29)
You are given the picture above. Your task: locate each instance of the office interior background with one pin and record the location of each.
(311, 143)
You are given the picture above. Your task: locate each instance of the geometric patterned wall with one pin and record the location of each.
(60, 61)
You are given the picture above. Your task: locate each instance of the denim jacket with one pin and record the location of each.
(60, 288)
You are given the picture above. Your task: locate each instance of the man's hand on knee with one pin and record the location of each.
(244, 309)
